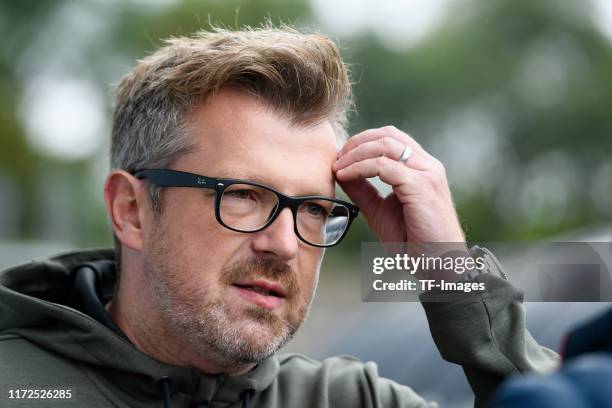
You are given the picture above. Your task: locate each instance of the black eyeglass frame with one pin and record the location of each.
(176, 178)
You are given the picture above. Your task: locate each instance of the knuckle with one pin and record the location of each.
(381, 162)
(435, 179)
(390, 129)
(366, 133)
(440, 166)
(386, 142)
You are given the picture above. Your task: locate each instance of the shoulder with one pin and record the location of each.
(345, 378)
(30, 373)
(23, 362)
(583, 382)
(343, 368)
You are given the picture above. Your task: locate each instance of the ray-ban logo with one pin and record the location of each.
(201, 180)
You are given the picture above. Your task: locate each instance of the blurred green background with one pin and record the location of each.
(513, 96)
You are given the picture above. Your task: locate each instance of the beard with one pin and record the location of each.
(216, 326)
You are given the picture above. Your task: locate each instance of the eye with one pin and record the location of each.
(316, 210)
(240, 194)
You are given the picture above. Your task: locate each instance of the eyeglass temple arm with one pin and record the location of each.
(174, 178)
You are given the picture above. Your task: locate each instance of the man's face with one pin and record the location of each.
(200, 271)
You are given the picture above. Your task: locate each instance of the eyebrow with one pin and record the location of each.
(228, 173)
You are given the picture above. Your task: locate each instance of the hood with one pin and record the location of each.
(35, 304)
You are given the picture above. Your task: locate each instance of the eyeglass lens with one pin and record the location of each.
(246, 207)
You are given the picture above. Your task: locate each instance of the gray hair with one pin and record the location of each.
(299, 74)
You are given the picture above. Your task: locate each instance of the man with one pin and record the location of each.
(221, 198)
(583, 380)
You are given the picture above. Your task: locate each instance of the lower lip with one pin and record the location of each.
(267, 302)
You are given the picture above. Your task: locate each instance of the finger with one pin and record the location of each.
(363, 194)
(424, 160)
(389, 171)
(386, 146)
(373, 134)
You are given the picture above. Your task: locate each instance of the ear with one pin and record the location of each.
(127, 205)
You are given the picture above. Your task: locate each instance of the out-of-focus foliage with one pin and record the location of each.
(513, 96)
(520, 92)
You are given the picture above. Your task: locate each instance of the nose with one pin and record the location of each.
(278, 238)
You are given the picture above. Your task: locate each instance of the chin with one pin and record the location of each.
(263, 330)
(253, 342)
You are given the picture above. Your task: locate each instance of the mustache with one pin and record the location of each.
(262, 267)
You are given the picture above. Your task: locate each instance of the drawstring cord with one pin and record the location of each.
(246, 397)
(166, 383)
(166, 386)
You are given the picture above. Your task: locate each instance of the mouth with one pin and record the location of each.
(263, 293)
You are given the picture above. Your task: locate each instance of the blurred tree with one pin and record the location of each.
(538, 71)
(512, 95)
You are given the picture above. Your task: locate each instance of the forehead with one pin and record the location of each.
(240, 136)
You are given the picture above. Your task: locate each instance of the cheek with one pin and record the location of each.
(308, 275)
(201, 245)
(184, 232)
(190, 221)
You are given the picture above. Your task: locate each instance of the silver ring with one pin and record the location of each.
(405, 155)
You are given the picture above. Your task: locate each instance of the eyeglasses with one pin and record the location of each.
(246, 206)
